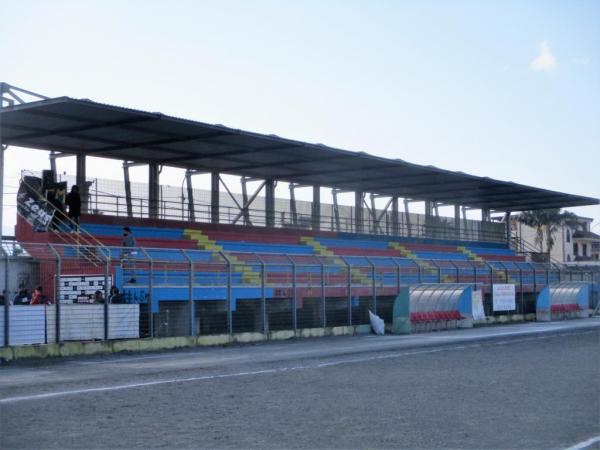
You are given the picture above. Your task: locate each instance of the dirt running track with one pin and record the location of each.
(527, 386)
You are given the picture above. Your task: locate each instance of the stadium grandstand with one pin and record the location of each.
(216, 262)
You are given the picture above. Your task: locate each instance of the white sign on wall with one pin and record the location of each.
(477, 306)
(504, 297)
(74, 286)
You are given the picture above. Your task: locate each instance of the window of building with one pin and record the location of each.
(568, 235)
(584, 249)
(575, 249)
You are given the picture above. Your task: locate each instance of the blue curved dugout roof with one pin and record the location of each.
(85, 127)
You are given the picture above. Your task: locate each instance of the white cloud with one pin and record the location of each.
(581, 61)
(545, 60)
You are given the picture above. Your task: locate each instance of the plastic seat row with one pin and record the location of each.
(435, 316)
(565, 308)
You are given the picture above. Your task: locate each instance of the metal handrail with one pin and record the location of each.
(111, 204)
(530, 248)
(80, 238)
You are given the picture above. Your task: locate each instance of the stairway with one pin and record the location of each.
(67, 233)
(471, 255)
(321, 250)
(474, 257)
(428, 268)
(249, 276)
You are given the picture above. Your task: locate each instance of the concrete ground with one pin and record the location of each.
(518, 386)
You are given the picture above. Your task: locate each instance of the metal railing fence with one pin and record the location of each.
(420, 226)
(107, 197)
(177, 292)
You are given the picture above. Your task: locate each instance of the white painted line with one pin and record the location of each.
(435, 339)
(221, 376)
(585, 444)
(131, 386)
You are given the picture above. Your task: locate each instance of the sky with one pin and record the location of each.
(505, 89)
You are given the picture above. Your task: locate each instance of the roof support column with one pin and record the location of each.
(428, 208)
(245, 202)
(407, 217)
(270, 203)
(485, 220)
(508, 227)
(428, 229)
(127, 182)
(293, 212)
(358, 212)
(316, 208)
(336, 210)
(395, 215)
(80, 177)
(485, 214)
(214, 197)
(153, 190)
(190, 195)
(52, 157)
(457, 221)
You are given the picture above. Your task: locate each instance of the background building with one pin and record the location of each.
(574, 242)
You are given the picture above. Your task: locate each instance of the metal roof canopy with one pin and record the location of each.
(94, 129)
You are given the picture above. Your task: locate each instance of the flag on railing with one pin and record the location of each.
(31, 206)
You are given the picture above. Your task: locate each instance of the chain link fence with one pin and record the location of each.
(56, 293)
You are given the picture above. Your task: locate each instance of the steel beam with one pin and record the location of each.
(153, 190)
(80, 180)
(457, 221)
(407, 216)
(395, 216)
(244, 210)
(246, 215)
(293, 211)
(485, 214)
(215, 197)
(190, 195)
(127, 182)
(358, 212)
(316, 208)
(269, 203)
(508, 229)
(336, 209)
(53, 165)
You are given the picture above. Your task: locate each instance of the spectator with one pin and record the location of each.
(73, 201)
(115, 295)
(3, 297)
(128, 244)
(55, 198)
(128, 239)
(98, 297)
(39, 298)
(22, 297)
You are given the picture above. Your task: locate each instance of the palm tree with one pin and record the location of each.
(546, 222)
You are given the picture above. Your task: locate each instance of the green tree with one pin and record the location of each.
(546, 223)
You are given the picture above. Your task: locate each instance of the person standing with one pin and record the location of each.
(128, 240)
(55, 198)
(73, 201)
(128, 245)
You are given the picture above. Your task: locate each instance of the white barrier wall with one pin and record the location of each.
(27, 325)
(36, 324)
(86, 322)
